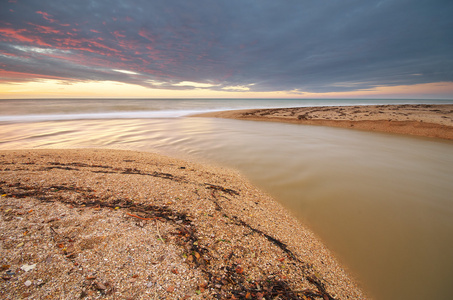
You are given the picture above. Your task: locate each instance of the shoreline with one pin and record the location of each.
(426, 120)
(115, 223)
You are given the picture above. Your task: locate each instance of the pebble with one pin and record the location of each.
(27, 268)
(149, 284)
(100, 285)
(28, 283)
(171, 289)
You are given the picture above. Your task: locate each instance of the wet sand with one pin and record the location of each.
(132, 225)
(412, 119)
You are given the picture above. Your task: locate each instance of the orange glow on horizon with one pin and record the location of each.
(53, 88)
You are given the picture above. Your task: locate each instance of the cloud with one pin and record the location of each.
(299, 46)
(194, 84)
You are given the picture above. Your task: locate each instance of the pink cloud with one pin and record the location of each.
(8, 54)
(46, 29)
(147, 35)
(19, 36)
(12, 75)
(87, 45)
(118, 34)
(97, 44)
(46, 16)
(153, 53)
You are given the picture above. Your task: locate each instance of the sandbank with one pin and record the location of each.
(421, 120)
(131, 225)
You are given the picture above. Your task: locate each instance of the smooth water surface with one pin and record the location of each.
(383, 203)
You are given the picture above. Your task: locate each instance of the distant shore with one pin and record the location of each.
(93, 223)
(412, 119)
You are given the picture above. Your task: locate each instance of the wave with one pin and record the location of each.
(157, 114)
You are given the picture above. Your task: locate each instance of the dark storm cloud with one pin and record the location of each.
(313, 46)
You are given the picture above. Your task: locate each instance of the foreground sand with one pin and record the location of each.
(421, 120)
(129, 225)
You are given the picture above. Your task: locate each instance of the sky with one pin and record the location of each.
(226, 48)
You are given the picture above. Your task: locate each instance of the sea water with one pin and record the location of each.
(381, 202)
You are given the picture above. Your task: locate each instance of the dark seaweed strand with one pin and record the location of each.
(240, 289)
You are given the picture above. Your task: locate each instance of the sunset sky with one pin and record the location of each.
(231, 48)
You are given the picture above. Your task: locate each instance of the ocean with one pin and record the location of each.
(65, 109)
(381, 202)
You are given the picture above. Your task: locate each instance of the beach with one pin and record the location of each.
(93, 223)
(360, 192)
(427, 120)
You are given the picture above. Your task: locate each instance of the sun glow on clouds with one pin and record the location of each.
(52, 88)
(238, 88)
(127, 72)
(194, 84)
(39, 50)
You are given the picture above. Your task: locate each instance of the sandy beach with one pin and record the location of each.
(131, 225)
(412, 119)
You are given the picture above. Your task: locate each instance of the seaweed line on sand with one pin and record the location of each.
(225, 277)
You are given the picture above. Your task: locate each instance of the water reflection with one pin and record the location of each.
(381, 202)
